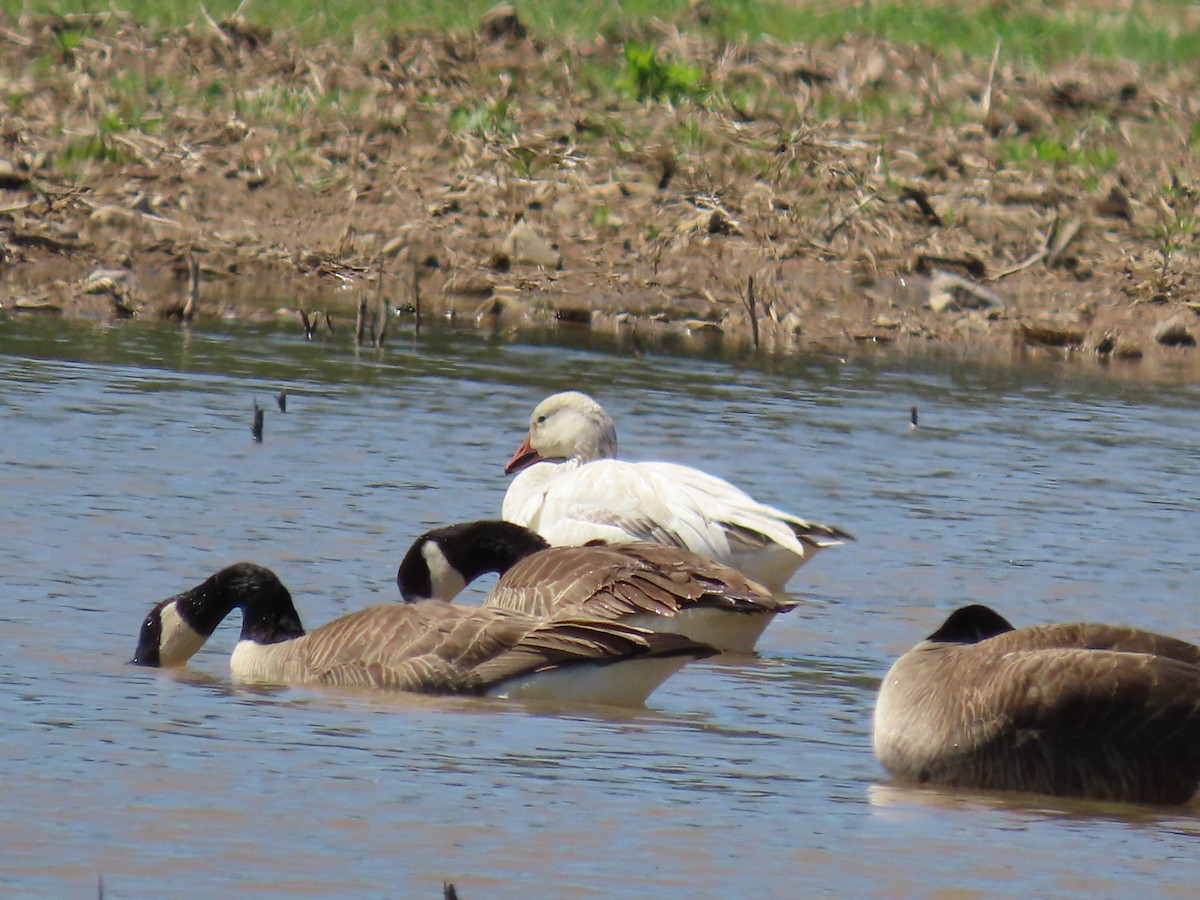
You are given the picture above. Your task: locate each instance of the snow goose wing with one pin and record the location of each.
(570, 489)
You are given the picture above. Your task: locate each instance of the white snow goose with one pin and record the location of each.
(664, 589)
(571, 489)
(1078, 710)
(432, 648)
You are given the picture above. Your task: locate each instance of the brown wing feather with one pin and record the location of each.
(818, 535)
(1084, 635)
(616, 581)
(442, 648)
(419, 647)
(1039, 710)
(558, 642)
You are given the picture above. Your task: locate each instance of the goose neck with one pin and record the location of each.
(268, 614)
(477, 548)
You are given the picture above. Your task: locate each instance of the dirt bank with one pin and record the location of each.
(785, 195)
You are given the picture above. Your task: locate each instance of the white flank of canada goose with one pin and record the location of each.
(571, 489)
(1079, 710)
(425, 647)
(652, 586)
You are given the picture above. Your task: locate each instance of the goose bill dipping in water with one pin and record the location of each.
(571, 489)
(664, 589)
(1079, 710)
(424, 647)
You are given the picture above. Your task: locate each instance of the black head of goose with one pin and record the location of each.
(570, 488)
(424, 647)
(652, 586)
(1078, 710)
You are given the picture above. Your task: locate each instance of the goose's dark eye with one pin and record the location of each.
(541, 419)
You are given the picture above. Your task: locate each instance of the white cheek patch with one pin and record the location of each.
(445, 581)
(179, 641)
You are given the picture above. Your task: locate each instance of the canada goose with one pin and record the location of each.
(571, 489)
(425, 647)
(647, 585)
(1079, 710)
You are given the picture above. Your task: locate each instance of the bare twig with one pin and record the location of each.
(193, 298)
(1031, 261)
(217, 29)
(19, 39)
(381, 305)
(1053, 246)
(361, 323)
(751, 307)
(1060, 239)
(1021, 266)
(986, 103)
(845, 219)
(416, 292)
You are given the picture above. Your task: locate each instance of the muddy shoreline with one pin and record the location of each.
(862, 193)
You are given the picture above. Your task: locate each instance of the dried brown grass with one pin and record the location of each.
(841, 179)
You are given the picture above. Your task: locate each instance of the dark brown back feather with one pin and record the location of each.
(1081, 710)
(442, 648)
(627, 579)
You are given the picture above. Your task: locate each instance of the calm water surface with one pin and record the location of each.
(127, 473)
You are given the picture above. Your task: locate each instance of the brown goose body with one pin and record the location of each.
(424, 647)
(664, 589)
(1080, 710)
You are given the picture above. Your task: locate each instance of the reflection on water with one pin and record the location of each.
(904, 800)
(127, 473)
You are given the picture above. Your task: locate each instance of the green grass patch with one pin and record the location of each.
(1153, 32)
(690, 136)
(489, 120)
(601, 217)
(93, 148)
(99, 145)
(867, 105)
(1024, 152)
(524, 161)
(1027, 32)
(648, 76)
